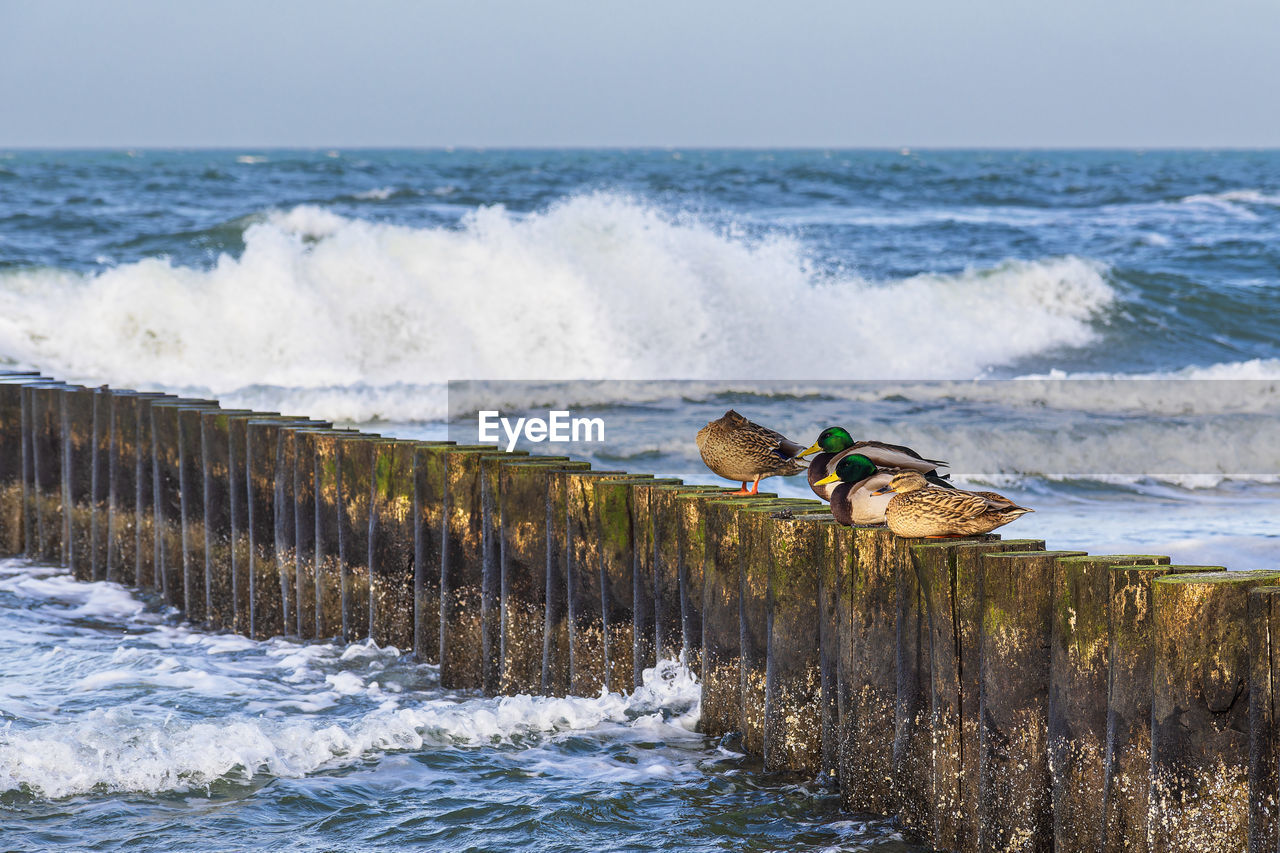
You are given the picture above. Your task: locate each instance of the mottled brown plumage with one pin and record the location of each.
(738, 449)
(921, 509)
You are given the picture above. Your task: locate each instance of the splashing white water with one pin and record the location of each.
(596, 286)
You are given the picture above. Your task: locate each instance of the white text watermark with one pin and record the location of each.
(558, 427)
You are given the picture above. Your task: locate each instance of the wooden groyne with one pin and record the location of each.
(990, 694)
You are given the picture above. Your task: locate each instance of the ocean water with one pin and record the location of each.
(1092, 332)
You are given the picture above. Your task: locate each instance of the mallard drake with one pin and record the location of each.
(919, 509)
(835, 443)
(737, 449)
(852, 488)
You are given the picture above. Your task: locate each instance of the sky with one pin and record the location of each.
(855, 73)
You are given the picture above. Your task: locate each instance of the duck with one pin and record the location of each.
(738, 449)
(835, 443)
(853, 489)
(920, 509)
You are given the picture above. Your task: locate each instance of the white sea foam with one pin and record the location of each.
(121, 750)
(596, 286)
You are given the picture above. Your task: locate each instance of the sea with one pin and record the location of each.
(1094, 333)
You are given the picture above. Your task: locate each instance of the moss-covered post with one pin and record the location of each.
(145, 573)
(11, 461)
(793, 717)
(328, 537)
(491, 570)
(948, 572)
(79, 458)
(1127, 763)
(525, 520)
(655, 584)
(1200, 711)
(429, 483)
(118, 526)
(355, 500)
(1015, 795)
(462, 569)
(722, 695)
(659, 519)
(615, 531)
(166, 504)
(1079, 672)
(392, 545)
(1264, 717)
(691, 524)
(304, 531)
(215, 447)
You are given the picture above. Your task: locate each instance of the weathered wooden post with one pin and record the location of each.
(79, 461)
(11, 461)
(525, 520)
(192, 493)
(170, 560)
(689, 522)
(793, 716)
(655, 584)
(100, 481)
(1079, 671)
(1015, 795)
(1127, 762)
(868, 674)
(43, 438)
(722, 697)
(659, 517)
(948, 576)
(391, 564)
(1264, 717)
(614, 512)
(288, 515)
(328, 532)
(355, 498)
(1200, 711)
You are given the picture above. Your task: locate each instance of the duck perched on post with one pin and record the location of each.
(853, 490)
(919, 509)
(738, 449)
(835, 443)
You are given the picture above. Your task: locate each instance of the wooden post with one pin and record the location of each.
(392, 546)
(1127, 763)
(191, 501)
(355, 499)
(171, 564)
(12, 454)
(655, 582)
(42, 404)
(146, 575)
(491, 570)
(867, 607)
(100, 481)
(524, 518)
(1200, 711)
(79, 458)
(1264, 717)
(1015, 795)
(793, 716)
(722, 700)
(1079, 669)
(691, 529)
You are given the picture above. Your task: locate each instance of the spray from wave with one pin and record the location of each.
(596, 286)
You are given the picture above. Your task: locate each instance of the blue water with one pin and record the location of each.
(353, 285)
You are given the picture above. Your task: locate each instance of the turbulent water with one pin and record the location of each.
(354, 285)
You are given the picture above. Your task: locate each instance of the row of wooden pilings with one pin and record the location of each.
(990, 694)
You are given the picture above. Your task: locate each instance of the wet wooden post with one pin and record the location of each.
(756, 543)
(524, 517)
(615, 531)
(586, 592)
(690, 524)
(660, 520)
(307, 524)
(462, 567)
(1127, 762)
(12, 456)
(327, 544)
(722, 699)
(1015, 794)
(1264, 717)
(948, 576)
(286, 517)
(355, 498)
(79, 458)
(868, 674)
(491, 569)
(647, 594)
(191, 499)
(145, 572)
(391, 565)
(42, 405)
(215, 447)
(1200, 711)
(1079, 671)
(167, 493)
(429, 483)
(100, 481)
(793, 716)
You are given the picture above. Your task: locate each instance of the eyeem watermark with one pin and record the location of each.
(559, 426)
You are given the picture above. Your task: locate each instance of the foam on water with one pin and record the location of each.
(598, 285)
